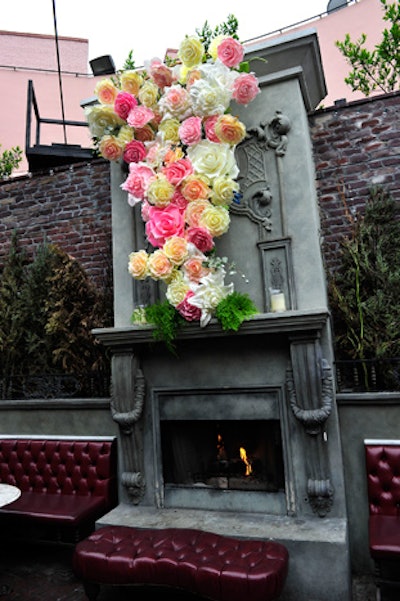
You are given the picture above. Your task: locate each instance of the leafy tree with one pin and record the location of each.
(9, 160)
(378, 68)
(365, 290)
(12, 310)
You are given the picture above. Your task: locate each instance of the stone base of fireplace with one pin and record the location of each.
(318, 548)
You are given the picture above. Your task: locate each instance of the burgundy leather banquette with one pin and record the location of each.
(202, 563)
(383, 486)
(66, 483)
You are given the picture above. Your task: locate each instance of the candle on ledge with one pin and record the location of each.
(278, 303)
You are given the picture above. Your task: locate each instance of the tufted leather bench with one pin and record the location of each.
(383, 485)
(66, 483)
(202, 563)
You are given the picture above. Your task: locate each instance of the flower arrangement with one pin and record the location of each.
(171, 123)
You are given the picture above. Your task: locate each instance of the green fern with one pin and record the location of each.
(166, 321)
(234, 309)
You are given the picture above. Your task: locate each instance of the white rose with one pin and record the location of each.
(213, 160)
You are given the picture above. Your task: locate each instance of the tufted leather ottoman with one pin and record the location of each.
(203, 563)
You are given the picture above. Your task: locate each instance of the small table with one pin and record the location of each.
(8, 494)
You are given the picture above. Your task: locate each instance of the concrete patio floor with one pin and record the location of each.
(41, 573)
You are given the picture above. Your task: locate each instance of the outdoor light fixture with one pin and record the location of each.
(103, 65)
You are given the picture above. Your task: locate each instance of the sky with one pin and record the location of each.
(149, 27)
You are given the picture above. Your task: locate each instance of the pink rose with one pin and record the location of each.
(177, 171)
(123, 104)
(245, 88)
(139, 116)
(144, 210)
(209, 128)
(190, 131)
(187, 310)
(135, 151)
(230, 52)
(201, 238)
(161, 74)
(137, 181)
(179, 200)
(164, 223)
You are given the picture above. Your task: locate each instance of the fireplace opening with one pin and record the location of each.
(225, 454)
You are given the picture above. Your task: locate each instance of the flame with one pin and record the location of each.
(243, 457)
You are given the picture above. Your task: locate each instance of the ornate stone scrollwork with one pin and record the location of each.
(273, 134)
(134, 484)
(312, 419)
(126, 419)
(320, 493)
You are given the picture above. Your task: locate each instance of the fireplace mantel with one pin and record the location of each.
(287, 323)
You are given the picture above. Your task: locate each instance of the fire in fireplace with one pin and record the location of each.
(223, 454)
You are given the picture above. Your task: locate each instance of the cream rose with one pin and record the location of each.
(137, 266)
(160, 191)
(216, 220)
(191, 51)
(213, 160)
(176, 249)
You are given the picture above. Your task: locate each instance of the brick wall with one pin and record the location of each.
(356, 147)
(70, 207)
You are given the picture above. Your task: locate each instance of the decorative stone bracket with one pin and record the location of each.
(309, 382)
(127, 403)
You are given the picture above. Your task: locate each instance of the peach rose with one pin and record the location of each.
(111, 148)
(137, 265)
(145, 133)
(106, 91)
(230, 130)
(159, 266)
(161, 74)
(195, 269)
(194, 211)
(176, 249)
(195, 188)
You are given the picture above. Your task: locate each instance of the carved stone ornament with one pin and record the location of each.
(320, 493)
(135, 486)
(250, 154)
(312, 419)
(126, 420)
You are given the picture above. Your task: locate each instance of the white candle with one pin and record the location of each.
(278, 302)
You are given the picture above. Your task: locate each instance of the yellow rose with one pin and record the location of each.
(148, 94)
(102, 119)
(106, 91)
(169, 129)
(230, 130)
(131, 82)
(213, 47)
(160, 191)
(176, 249)
(191, 51)
(216, 220)
(223, 191)
(177, 291)
(125, 134)
(137, 265)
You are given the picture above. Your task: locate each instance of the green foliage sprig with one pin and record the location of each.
(9, 160)
(228, 27)
(234, 309)
(378, 68)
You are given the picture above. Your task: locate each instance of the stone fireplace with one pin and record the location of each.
(238, 433)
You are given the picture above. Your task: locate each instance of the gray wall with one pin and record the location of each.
(361, 416)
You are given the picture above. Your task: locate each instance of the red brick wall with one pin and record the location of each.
(356, 147)
(70, 207)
